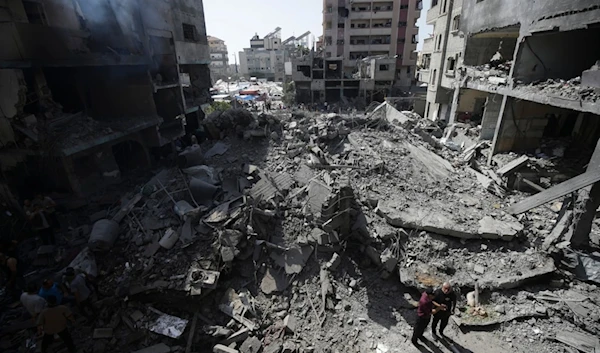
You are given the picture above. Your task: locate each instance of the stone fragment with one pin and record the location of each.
(219, 348)
(290, 323)
(251, 345)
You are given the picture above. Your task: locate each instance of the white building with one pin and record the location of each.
(219, 58)
(264, 58)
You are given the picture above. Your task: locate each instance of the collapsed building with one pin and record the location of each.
(94, 89)
(309, 232)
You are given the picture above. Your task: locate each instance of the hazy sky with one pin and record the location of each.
(236, 21)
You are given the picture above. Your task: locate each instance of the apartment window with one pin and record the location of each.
(402, 24)
(415, 39)
(329, 9)
(434, 3)
(456, 23)
(438, 43)
(408, 69)
(384, 67)
(189, 32)
(433, 77)
(341, 25)
(35, 12)
(340, 42)
(443, 8)
(403, 7)
(450, 65)
(419, 5)
(328, 40)
(328, 25)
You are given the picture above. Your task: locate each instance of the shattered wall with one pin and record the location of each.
(12, 98)
(551, 55)
(479, 50)
(526, 123)
(480, 16)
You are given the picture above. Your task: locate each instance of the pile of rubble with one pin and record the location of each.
(566, 89)
(289, 233)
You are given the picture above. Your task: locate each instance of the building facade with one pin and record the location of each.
(526, 72)
(440, 57)
(219, 58)
(90, 88)
(354, 30)
(265, 58)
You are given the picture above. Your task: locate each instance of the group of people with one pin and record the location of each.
(49, 306)
(439, 304)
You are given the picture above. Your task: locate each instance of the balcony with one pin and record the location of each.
(366, 15)
(369, 47)
(371, 31)
(425, 75)
(428, 45)
(433, 14)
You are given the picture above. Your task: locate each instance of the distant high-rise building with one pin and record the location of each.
(219, 58)
(354, 30)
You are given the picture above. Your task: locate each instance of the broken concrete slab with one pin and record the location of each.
(437, 167)
(512, 166)
(490, 228)
(274, 281)
(493, 318)
(436, 221)
(293, 259)
(218, 149)
(219, 348)
(251, 345)
(318, 193)
(290, 323)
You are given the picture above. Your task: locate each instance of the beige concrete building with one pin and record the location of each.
(219, 58)
(441, 55)
(354, 30)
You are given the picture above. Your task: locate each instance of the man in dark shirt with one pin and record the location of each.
(424, 311)
(445, 300)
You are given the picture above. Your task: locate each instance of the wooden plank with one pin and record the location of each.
(511, 167)
(578, 340)
(555, 192)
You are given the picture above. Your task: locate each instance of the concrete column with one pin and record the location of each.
(588, 201)
(454, 108)
(491, 114)
(498, 131)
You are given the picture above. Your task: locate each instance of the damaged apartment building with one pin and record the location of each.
(522, 72)
(91, 90)
(368, 51)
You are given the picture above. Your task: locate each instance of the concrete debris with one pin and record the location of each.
(168, 325)
(157, 348)
(314, 219)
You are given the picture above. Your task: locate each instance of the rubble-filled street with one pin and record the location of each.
(310, 232)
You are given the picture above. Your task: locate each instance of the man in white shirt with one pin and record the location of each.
(33, 302)
(78, 287)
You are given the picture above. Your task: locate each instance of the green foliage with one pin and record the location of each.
(223, 106)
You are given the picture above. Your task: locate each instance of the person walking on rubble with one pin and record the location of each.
(53, 321)
(82, 293)
(424, 312)
(33, 302)
(445, 300)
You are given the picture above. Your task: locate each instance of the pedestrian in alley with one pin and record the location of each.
(82, 293)
(53, 321)
(33, 302)
(424, 312)
(445, 300)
